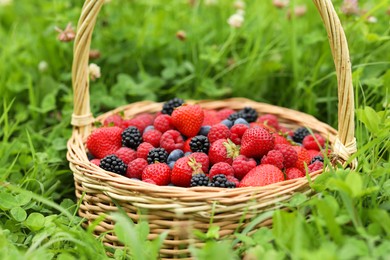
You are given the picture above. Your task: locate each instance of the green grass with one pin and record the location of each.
(269, 59)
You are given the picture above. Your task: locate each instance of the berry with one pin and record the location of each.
(262, 175)
(163, 123)
(256, 142)
(273, 157)
(236, 133)
(223, 150)
(143, 150)
(240, 121)
(225, 113)
(221, 168)
(112, 163)
(299, 134)
(242, 165)
(293, 173)
(210, 118)
(148, 128)
(314, 153)
(248, 113)
(95, 161)
(131, 137)
(199, 179)
(313, 142)
(135, 168)
(204, 130)
(290, 156)
(175, 155)
(269, 120)
(157, 155)
(221, 181)
(233, 180)
(152, 137)
(149, 181)
(159, 173)
(126, 154)
(203, 159)
(171, 140)
(227, 122)
(317, 158)
(170, 105)
(279, 139)
(104, 141)
(90, 156)
(134, 122)
(200, 143)
(303, 158)
(183, 170)
(186, 146)
(113, 120)
(188, 119)
(146, 118)
(218, 131)
(315, 166)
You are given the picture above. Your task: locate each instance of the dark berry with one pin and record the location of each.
(170, 105)
(221, 181)
(240, 121)
(200, 143)
(247, 113)
(175, 155)
(148, 128)
(199, 179)
(90, 156)
(317, 158)
(131, 137)
(112, 163)
(204, 130)
(299, 134)
(227, 122)
(157, 155)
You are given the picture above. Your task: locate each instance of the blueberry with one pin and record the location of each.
(175, 155)
(148, 128)
(204, 130)
(187, 153)
(171, 164)
(227, 122)
(241, 121)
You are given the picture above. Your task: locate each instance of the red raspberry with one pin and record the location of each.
(113, 120)
(269, 120)
(160, 173)
(279, 139)
(293, 173)
(315, 166)
(218, 131)
(95, 161)
(163, 123)
(225, 113)
(289, 154)
(303, 158)
(313, 153)
(274, 157)
(233, 179)
(135, 168)
(126, 154)
(210, 118)
(141, 125)
(242, 165)
(171, 140)
(313, 142)
(236, 133)
(203, 159)
(143, 150)
(153, 137)
(146, 118)
(221, 168)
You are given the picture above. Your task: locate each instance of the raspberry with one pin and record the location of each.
(317, 158)
(163, 123)
(242, 165)
(303, 158)
(293, 173)
(236, 133)
(225, 113)
(313, 142)
(269, 120)
(131, 137)
(218, 131)
(289, 154)
(112, 163)
(95, 161)
(315, 166)
(139, 124)
(221, 168)
(135, 168)
(126, 154)
(113, 120)
(171, 140)
(170, 105)
(221, 181)
(146, 118)
(314, 153)
(210, 118)
(248, 113)
(299, 134)
(199, 179)
(232, 179)
(157, 155)
(143, 150)
(152, 137)
(273, 157)
(199, 143)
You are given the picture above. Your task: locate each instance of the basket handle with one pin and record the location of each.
(345, 144)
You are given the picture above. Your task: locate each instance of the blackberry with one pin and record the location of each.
(247, 113)
(221, 181)
(90, 156)
(112, 163)
(170, 105)
(317, 158)
(299, 134)
(157, 155)
(200, 143)
(131, 137)
(199, 179)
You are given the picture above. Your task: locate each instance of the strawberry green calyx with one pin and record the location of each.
(232, 149)
(195, 166)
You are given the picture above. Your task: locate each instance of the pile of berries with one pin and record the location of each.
(185, 145)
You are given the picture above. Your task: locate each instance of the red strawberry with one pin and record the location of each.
(149, 181)
(273, 157)
(171, 140)
(126, 154)
(104, 141)
(242, 165)
(221, 168)
(225, 113)
(95, 161)
(315, 166)
(256, 142)
(183, 170)
(313, 142)
(141, 125)
(293, 173)
(289, 154)
(218, 131)
(188, 119)
(163, 123)
(143, 150)
(160, 173)
(210, 118)
(236, 133)
(279, 139)
(262, 175)
(223, 150)
(269, 120)
(303, 158)
(136, 167)
(203, 159)
(153, 137)
(113, 120)
(186, 145)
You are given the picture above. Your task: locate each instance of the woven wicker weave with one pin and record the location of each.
(180, 210)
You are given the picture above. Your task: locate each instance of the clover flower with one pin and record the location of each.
(94, 71)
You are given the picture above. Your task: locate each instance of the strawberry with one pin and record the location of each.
(218, 131)
(269, 120)
(113, 120)
(171, 140)
(143, 150)
(313, 142)
(153, 137)
(188, 119)
(104, 141)
(273, 157)
(303, 158)
(314, 153)
(160, 173)
(203, 159)
(149, 181)
(135, 168)
(223, 150)
(186, 145)
(210, 118)
(236, 133)
(163, 123)
(293, 173)
(290, 156)
(183, 170)
(225, 113)
(126, 154)
(242, 165)
(221, 168)
(280, 139)
(315, 166)
(262, 175)
(256, 142)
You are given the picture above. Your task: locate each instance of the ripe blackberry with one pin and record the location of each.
(299, 134)
(200, 143)
(170, 105)
(112, 163)
(317, 158)
(199, 179)
(131, 137)
(157, 155)
(248, 113)
(221, 181)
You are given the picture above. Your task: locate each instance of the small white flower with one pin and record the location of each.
(94, 71)
(5, 2)
(239, 4)
(211, 2)
(43, 66)
(372, 19)
(236, 20)
(240, 12)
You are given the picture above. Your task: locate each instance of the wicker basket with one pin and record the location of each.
(180, 210)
